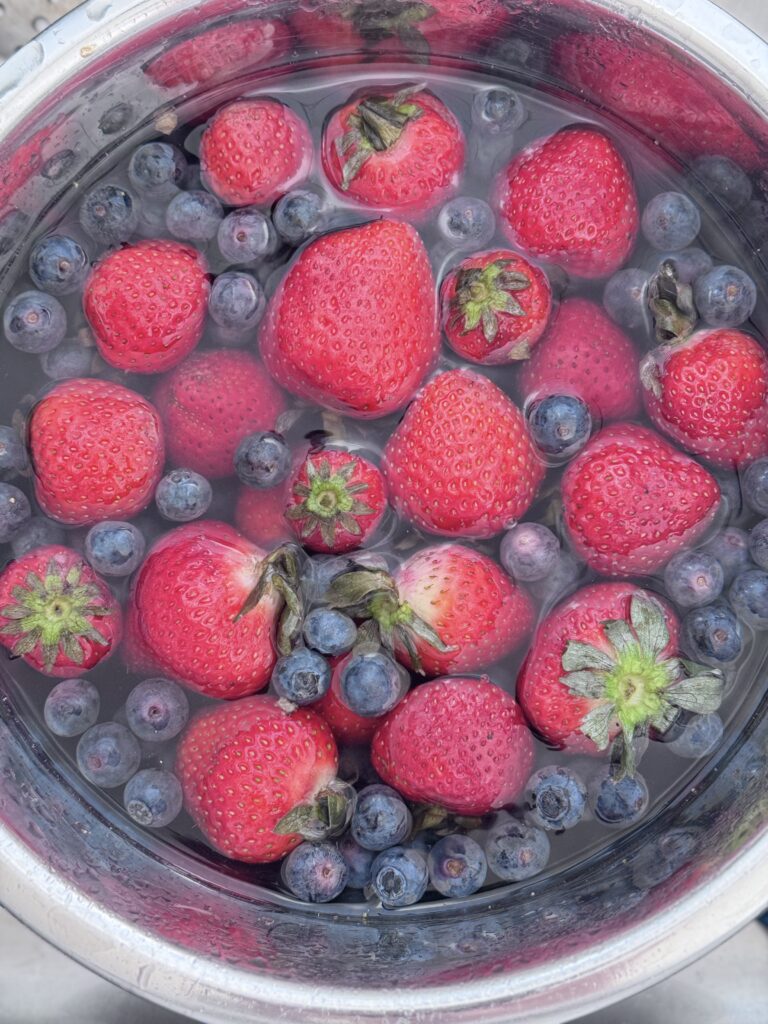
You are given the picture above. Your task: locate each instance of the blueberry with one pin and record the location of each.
(194, 216)
(699, 736)
(559, 424)
(529, 551)
(34, 322)
(156, 710)
(68, 360)
(381, 818)
(457, 866)
(153, 797)
(245, 236)
(712, 634)
(329, 631)
(498, 110)
(618, 801)
(302, 677)
(36, 533)
(298, 215)
(659, 859)
(557, 798)
(731, 548)
(356, 767)
(114, 548)
(263, 459)
(372, 684)
(358, 861)
(236, 301)
(183, 495)
(748, 595)
(108, 755)
(516, 851)
(13, 452)
(688, 263)
(71, 707)
(693, 578)
(157, 170)
(625, 298)
(315, 872)
(58, 264)
(399, 877)
(15, 511)
(466, 223)
(671, 220)
(423, 841)
(724, 179)
(725, 297)
(755, 486)
(560, 581)
(758, 544)
(109, 214)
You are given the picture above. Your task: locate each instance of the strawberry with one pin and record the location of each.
(459, 743)
(353, 324)
(398, 149)
(461, 462)
(496, 306)
(146, 304)
(253, 151)
(56, 613)
(569, 199)
(585, 354)
(348, 728)
(260, 516)
(206, 417)
(97, 449)
(605, 663)
(710, 395)
(335, 501)
(631, 500)
(245, 766)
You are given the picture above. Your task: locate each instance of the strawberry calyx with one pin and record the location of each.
(671, 304)
(482, 293)
(375, 126)
(386, 19)
(280, 575)
(633, 683)
(435, 818)
(329, 501)
(327, 814)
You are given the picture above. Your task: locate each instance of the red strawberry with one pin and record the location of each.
(461, 462)
(210, 403)
(253, 151)
(396, 150)
(585, 354)
(97, 449)
(335, 501)
(260, 516)
(348, 728)
(146, 304)
(710, 395)
(631, 500)
(496, 306)
(245, 766)
(56, 613)
(353, 325)
(570, 199)
(459, 743)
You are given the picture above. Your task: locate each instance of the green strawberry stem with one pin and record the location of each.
(280, 574)
(329, 502)
(434, 818)
(484, 292)
(328, 814)
(671, 305)
(633, 683)
(386, 19)
(375, 126)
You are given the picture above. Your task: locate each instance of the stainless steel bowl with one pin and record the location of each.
(163, 922)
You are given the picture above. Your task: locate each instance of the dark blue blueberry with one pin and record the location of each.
(13, 452)
(372, 684)
(15, 511)
(731, 548)
(108, 755)
(618, 800)
(660, 858)
(115, 119)
(688, 263)
(302, 677)
(358, 861)
(724, 179)
(671, 220)
(236, 301)
(157, 170)
(36, 533)
(34, 322)
(329, 631)
(699, 736)
(693, 578)
(725, 297)
(183, 495)
(748, 595)
(561, 580)
(114, 548)
(71, 707)
(68, 360)
(399, 877)
(58, 264)
(758, 544)
(245, 236)
(263, 459)
(109, 214)
(755, 486)
(498, 110)
(712, 634)
(153, 797)
(315, 872)
(156, 710)
(381, 818)
(194, 216)
(516, 851)
(298, 215)
(557, 798)
(559, 424)
(625, 298)
(529, 551)
(457, 866)
(466, 223)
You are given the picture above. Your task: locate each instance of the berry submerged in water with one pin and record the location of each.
(560, 424)
(58, 264)
(725, 297)
(71, 707)
(625, 298)
(301, 677)
(315, 872)
(466, 223)
(263, 459)
(557, 798)
(157, 170)
(731, 547)
(237, 301)
(153, 797)
(329, 631)
(399, 877)
(34, 322)
(183, 495)
(671, 220)
(516, 851)
(298, 215)
(381, 818)
(693, 578)
(372, 684)
(699, 736)
(712, 634)
(156, 710)
(529, 551)
(15, 511)
(114, 548)
(194, 216)
(748, 595)
(245, 236)
(498, 110)
(108, 755)
(619, 801)
(109, 214)
(457, 866)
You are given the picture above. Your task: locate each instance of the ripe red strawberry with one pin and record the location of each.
(710, 395)
(496, 306)
(335, 501)
(260, 516)
(97, 449)
(210, 403)
(253, 151)
(348, 728)
(631, 500)
(353, 324)
(570, 199)
(585, 354)
(461, 462)
(146, 304)
(397, 149)
(245, 766)
(459, 743)
(56, 613)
